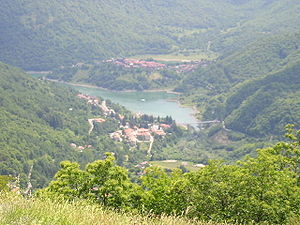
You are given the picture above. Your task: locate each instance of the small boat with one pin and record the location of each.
(143, 100)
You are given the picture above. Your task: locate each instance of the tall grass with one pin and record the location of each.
(17, 210)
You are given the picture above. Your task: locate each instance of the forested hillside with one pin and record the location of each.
(265, 19)
(264, 106)
(43, 35)
(255, 60)
(39, 121)
(212, 88)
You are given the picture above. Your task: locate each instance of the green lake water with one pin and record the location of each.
(151, 103)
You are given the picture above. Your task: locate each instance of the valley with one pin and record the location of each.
(150, 110)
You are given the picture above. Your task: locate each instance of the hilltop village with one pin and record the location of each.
(127, 132)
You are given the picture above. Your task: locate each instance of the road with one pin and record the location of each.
(150, 146)
(91, 125)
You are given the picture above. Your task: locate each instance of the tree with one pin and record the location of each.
(261, 189)
(70, 182)
(165, 192)
(102, 181)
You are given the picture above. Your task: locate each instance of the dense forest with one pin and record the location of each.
(44, 35)
(254, 90)
(265, 105)
(38, 122)
(56, 32)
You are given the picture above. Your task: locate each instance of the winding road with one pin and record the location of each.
(150, 146)
(91, 125)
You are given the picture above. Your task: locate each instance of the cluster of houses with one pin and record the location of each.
(96, 102)
(128, 134)
(136, 134)
(90, 99)
(131, 135)
(131, 63)
(181, 68)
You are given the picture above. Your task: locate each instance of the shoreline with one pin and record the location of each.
(193, 108)
(168, 91)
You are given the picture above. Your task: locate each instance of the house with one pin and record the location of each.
(121, 117)
(132, 140)
(81, 148)
(116, 136)
(142, 130)
(142, 165)
(144, 136)
(129, 131)
(99, 120)
(159, 133)
(73, 145)
(154, 127)
(82, 96)
(165, 126)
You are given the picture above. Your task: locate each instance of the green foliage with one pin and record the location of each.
(255, 90)
(39, 120)
(255, 60)
(41, 35)
(102, 181)
(164, 193)
(264, 189)
(115, 77)
(265, 105)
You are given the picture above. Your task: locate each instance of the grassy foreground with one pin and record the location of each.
(18, 210)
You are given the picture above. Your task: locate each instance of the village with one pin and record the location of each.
(182, 67)
(126, 133)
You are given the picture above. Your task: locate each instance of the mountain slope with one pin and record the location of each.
(255, 90)
(41, 35)
(261, 57)
(264, 106)
(39, 121)
(265, 19)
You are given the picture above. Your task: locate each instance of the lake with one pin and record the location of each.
(158, 103)
(152, 103)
